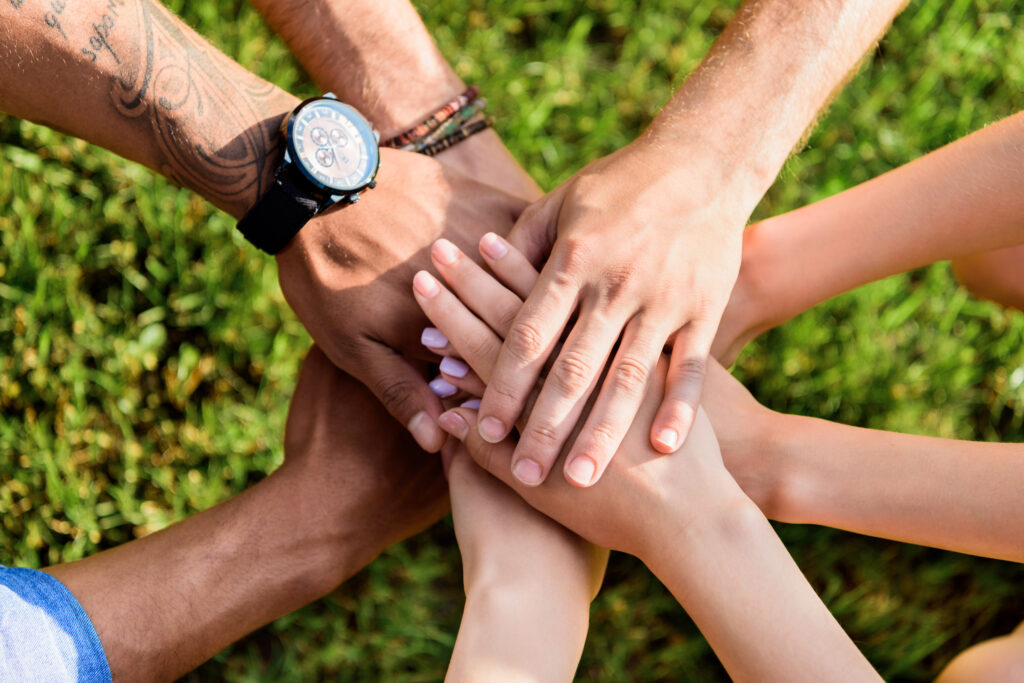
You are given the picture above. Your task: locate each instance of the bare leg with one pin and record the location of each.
(996, 660)
(996, 275)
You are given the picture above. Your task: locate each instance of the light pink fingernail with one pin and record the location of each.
(445, 252)
(492, 430)
(668, 437)
(433, 338)
(471, 404)
(493, 246)
(581, 470)
(442, 388)
(425, 284)
(424, 431)
(454, 367)
(453, 423)
(528, 471)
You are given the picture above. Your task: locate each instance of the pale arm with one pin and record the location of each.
(529, 582)
(965, 198)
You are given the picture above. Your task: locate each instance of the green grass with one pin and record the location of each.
(148, 355)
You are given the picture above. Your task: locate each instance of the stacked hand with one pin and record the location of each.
(644, 252)
(347, 273)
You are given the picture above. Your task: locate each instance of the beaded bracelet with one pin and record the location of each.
(434, 121)
(471, 128)
(457, 120)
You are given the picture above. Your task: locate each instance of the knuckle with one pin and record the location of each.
(525, 342)
(398, 395)
(616, 283)
(630, 375)
(544, 435)
(692, 369)
(604, 436)
(574, 258)
(572, 372)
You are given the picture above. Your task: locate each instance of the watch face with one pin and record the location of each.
(333, 145)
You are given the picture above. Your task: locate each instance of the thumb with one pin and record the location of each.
(404, 392)
(535, 232)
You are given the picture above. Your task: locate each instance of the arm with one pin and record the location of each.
(697, 531)
(401, 75)
(661, 217)
(350, 486)
(529, 582)
(962, 199)
(157, 93)
(957, 495)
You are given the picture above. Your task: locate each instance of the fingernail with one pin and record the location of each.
(454, 367)
(432, 338)
(493, 246)
(453, 423)
(424, 431)
(471, 404)
(581, 470)
(442, 388)
(527, 471)
(668, 437)
(492, 430)
(445, 252)
(425, 284)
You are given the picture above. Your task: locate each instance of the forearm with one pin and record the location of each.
(523, 629)
(965, 198)
(763, 83)
(380, 58)
(732, 574)
(377, 56)
(129, 76)
(167, 602)
(957, 495)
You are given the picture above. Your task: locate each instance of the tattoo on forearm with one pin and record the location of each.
(99, 39)
(52, 16)
(193, 99)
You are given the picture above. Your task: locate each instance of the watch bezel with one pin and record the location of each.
(362, 126)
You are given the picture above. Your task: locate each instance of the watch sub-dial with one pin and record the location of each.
(318, 136)
(325, 157)
(338, 138)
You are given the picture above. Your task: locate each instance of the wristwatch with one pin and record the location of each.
(331, 155)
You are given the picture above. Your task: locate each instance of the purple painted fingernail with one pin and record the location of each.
(432, 338)
(454, 367)
(471, 404)
(442, 388)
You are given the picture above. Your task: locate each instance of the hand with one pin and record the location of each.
(644, 251)
(347, 274)
(344, 451)
(505, 541)
(671, 491)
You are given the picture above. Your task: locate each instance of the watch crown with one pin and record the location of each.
(373, 184)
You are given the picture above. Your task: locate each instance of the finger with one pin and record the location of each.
(460, 423)
(475, 342)
(525, 351)
(404, 393)
(558, 407)
(622, 392)
(510, 265)
(535, 232)
(475, 287)
(458, 374)
(434, 341)
(683, 386)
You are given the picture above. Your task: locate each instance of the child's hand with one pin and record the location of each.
(648, 495)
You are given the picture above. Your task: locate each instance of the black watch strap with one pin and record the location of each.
(279, 214)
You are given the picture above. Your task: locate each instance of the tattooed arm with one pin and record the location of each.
(129, 76)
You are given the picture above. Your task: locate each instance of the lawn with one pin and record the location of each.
(148, 355)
